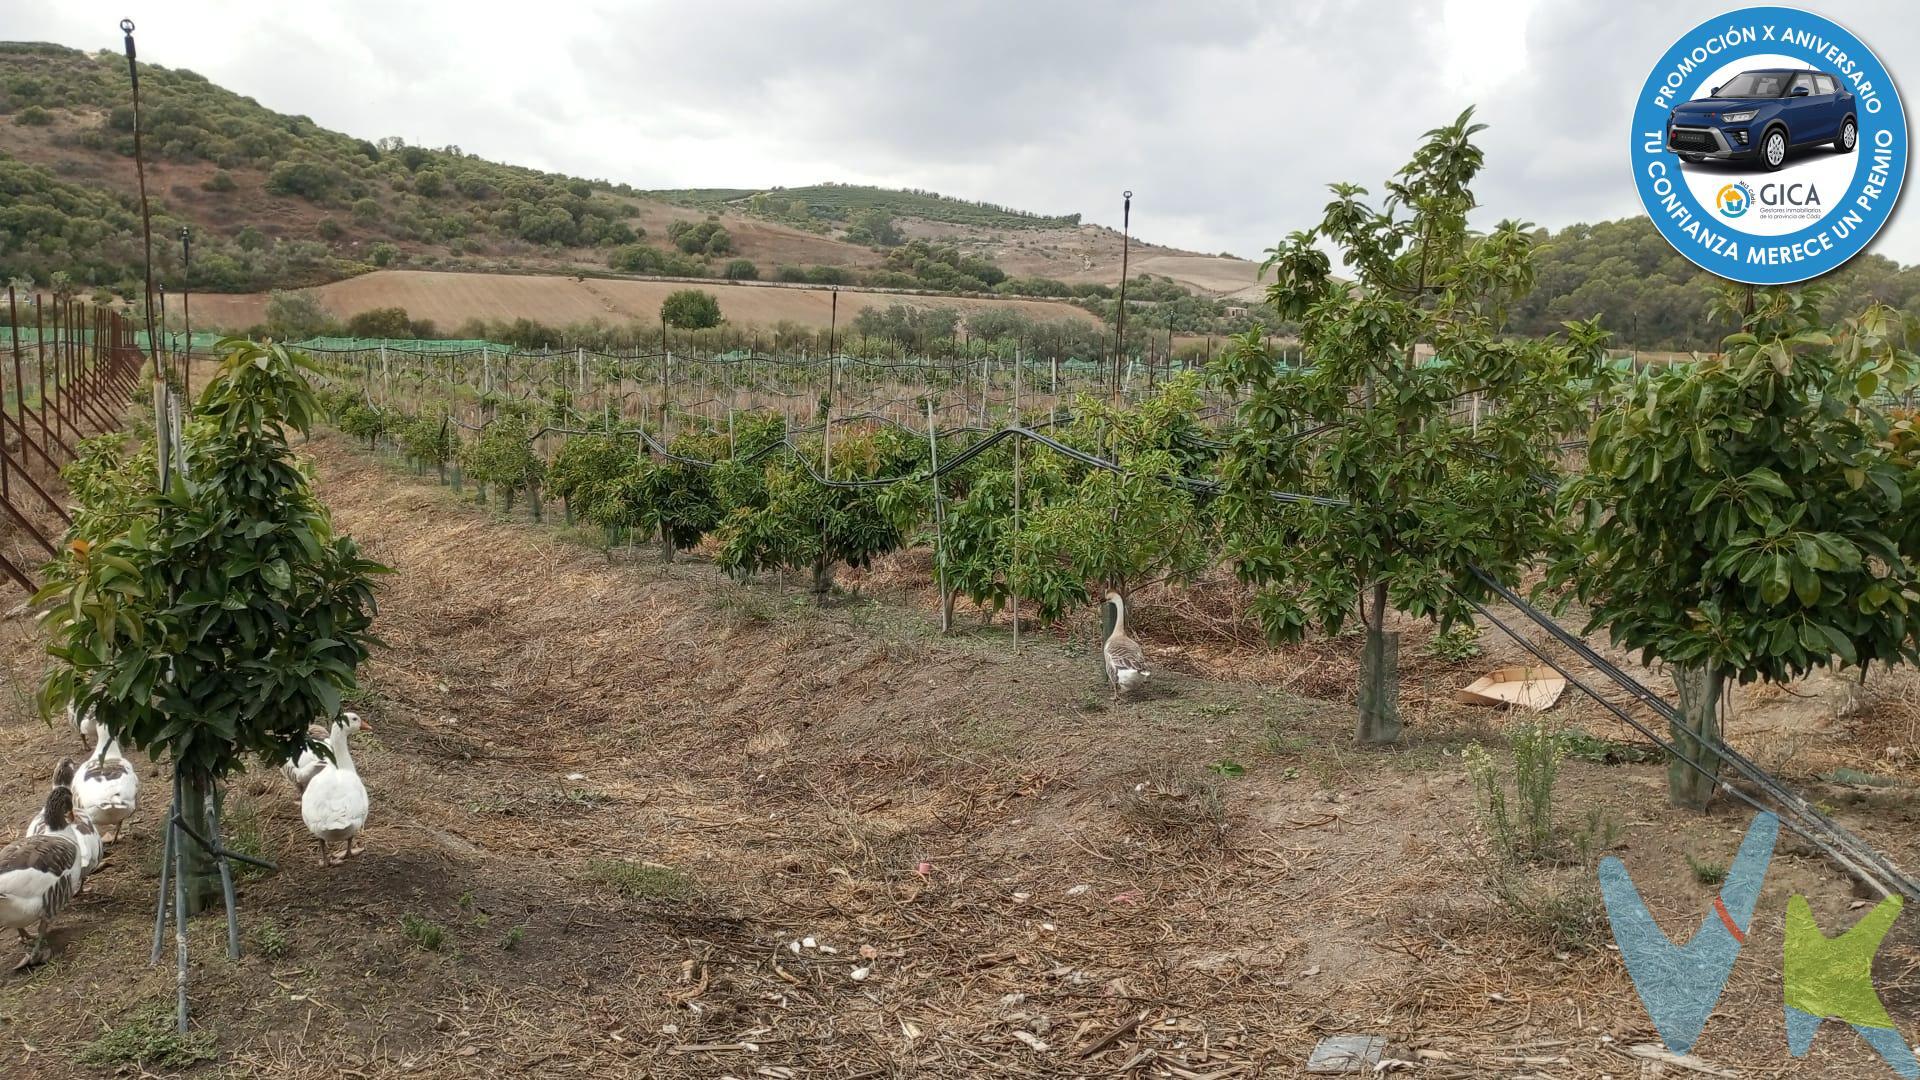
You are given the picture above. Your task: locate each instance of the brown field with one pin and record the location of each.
(450, 299)
(625, 792)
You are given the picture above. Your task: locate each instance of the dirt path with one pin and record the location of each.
(625, 796)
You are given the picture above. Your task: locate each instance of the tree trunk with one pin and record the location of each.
(442, 465)
(946, 610)
(202, 877)
(1696, 734)
(538, 504)
(666, 544)
(822, 577)
(1379, 677)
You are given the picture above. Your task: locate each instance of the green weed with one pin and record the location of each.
(147, 1039)
(424, 933)
(636, 881)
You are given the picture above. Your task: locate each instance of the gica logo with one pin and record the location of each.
(1734, 199)
(1821, 978)
(1769, 145)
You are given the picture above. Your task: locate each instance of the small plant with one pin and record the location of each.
(585, 798)
(240, 824)
(1536, 767)
(1564, 914)
(514, 936)
(1706, 871)
(639, 881)
(147, 1039)
(1459, 644)
(742, 610)
(1526, 830)
(1601, 833)
(1227, 767)
(1177, 803)
(424, 933)
(269, 940)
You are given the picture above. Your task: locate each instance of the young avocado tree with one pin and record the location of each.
(1410, 483)
(503, 458)
(1750, 516)
(1116, 531)
(215, 620)
(799, 522)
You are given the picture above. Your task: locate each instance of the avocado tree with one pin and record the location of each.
(583, 465)
(1750, 516)
(1409, 483)
(503, 458)
(799, 522)
(215, 620)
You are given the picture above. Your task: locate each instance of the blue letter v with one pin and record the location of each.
(1679, 984)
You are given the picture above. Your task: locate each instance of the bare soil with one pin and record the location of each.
(451, 298)
(629, 794)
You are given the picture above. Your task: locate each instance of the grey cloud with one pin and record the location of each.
(1227, 119)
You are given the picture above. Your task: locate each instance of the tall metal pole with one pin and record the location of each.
(186, 305)
(146, 216)
(826, 435)
(1120, 320)
(166, 350)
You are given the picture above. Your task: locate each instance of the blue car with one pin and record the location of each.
(1762, 114)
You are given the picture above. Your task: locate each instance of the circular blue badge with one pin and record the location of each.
(1769, 145)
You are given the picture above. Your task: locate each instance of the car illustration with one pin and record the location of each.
(1761, 115)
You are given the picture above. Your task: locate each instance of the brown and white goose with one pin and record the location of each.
(86, 725)
(1126, 661)
(88, 837)
(39, 874)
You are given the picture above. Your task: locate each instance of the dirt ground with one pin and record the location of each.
(631, 819)
(450, 298)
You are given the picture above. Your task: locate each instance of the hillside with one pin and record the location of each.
(276, 201)
(450, 300)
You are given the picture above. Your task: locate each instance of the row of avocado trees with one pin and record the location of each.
(1746, 516)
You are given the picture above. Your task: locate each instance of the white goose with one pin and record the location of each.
(86, 725)
(39, 874)
(107, 789)
(1126, 661)
(334, 804)
(301, 770)
(88, 837)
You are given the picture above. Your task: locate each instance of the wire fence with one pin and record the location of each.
(67, 379)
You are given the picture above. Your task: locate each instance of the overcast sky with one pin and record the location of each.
(1226, 120)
